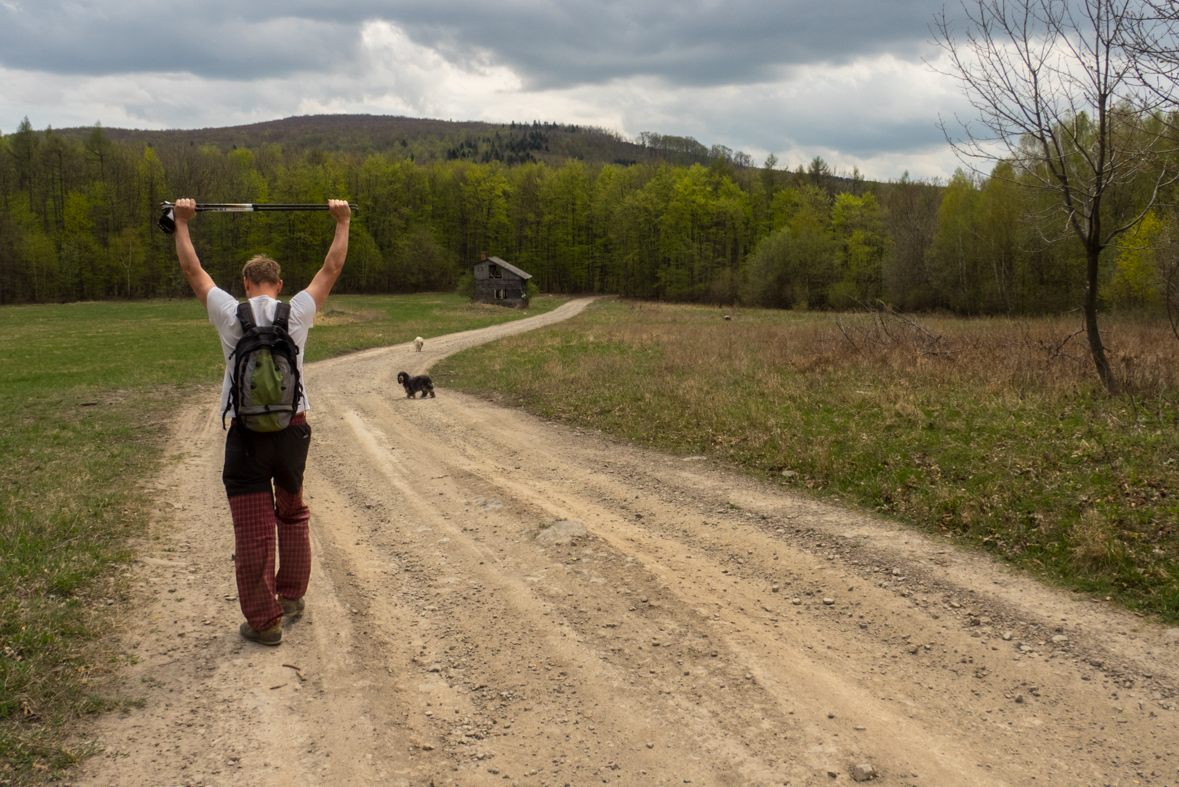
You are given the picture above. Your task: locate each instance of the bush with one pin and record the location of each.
(922, 298)
(843, 295)
(466, 285)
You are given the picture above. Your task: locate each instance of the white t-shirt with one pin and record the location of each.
(223, 314)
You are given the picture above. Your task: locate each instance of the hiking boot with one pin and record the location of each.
(270, 636)
(291, 607)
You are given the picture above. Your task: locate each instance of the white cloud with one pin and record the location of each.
(404, 77)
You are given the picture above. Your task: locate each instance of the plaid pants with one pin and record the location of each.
(263, 478)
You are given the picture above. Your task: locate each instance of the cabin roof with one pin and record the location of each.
(507, 265)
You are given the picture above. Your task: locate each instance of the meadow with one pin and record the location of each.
(990, 432)
(993, 433)
(88, 390)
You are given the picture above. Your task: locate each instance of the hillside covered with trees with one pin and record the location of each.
(584, 211)
(424, 140)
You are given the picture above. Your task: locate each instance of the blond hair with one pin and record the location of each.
(262, 270)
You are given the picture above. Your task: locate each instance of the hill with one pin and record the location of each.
(425, 140)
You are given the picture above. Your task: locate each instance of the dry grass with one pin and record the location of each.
(994, 431)
(1096, 543)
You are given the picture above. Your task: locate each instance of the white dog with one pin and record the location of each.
(418, 342)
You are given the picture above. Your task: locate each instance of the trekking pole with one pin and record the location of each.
(167, 220)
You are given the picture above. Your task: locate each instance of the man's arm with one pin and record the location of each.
(321, 286)
(190, 264)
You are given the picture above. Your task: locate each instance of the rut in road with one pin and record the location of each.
(709, 629)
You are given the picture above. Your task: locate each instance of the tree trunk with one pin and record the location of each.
(1104, 371)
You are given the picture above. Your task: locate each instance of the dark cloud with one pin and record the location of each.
(211, 39)
(548, 44)
(693, 42)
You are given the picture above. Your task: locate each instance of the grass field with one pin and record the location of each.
(87, 390)
(993, 432)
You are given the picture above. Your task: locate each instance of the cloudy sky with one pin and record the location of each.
(844, 79)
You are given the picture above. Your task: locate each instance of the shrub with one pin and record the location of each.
(466, 285)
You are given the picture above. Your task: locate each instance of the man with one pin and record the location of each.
(263, 471)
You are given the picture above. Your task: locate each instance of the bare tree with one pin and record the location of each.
(1054, 84)
(1151, 38)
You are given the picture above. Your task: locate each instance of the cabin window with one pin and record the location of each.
(494, 271)
(501, 294)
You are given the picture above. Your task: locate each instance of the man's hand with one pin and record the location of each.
(184, 209)
(339, 210)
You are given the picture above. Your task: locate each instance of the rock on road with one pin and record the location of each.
(708, 628)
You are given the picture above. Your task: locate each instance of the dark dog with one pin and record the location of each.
(413, 385)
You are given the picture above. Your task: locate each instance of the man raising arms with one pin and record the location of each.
(263, 472)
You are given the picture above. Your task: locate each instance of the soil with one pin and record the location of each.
(708, 628)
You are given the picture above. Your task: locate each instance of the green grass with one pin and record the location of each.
(994, 433)
(87, 390)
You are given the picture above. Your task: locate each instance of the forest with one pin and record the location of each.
(666, 218)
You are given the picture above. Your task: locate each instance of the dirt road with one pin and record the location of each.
(708, 629)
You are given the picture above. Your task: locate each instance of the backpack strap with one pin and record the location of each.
(282, 316)
(245, 315)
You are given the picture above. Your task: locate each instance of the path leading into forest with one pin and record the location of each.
(709, 629)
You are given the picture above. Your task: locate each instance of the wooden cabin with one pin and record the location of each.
(500, 282)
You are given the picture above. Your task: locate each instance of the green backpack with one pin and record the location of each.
(265, 388)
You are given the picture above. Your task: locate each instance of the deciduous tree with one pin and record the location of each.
(1054, 89)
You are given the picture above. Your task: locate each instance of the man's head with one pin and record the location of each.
(262, 276)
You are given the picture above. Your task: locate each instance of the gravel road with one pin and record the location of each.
(706, 629)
